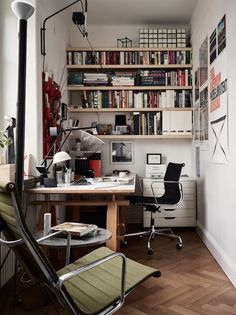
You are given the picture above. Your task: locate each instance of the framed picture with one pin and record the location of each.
(154, 158)
(122, 129)
(122, 152)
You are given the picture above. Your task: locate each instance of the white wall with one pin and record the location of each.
(172, 150)
(216, 187)
(9, 73)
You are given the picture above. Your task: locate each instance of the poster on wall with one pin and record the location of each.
(196, 121)
(221, 29)
(203, 61)
(204, 114)
(213, 46)
(196, 84)
(218, 114)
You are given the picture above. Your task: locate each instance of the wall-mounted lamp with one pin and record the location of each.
(23, 11)
(78, 18)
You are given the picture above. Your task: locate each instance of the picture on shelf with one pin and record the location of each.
(122, 129)
(122, 152)
(154, 158)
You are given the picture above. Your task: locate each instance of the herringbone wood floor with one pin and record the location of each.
(191, 283)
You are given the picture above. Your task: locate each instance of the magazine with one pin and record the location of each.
(76, 229)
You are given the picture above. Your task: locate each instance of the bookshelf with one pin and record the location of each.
(152, 86)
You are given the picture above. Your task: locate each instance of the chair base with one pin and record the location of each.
(152, 232)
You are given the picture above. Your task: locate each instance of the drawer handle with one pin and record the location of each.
(169, 218)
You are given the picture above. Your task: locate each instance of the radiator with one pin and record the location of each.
(8, 268)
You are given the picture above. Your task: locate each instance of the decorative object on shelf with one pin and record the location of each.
(124, 42)
(162, 37)
(23, 11)
(122, 152)
(154, 158)
(104, 129)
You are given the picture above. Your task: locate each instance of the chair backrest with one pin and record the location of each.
(172, 193)
(29, 253)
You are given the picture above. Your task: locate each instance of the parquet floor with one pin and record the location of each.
(191, 283)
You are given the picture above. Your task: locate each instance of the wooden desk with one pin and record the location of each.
(113, 192)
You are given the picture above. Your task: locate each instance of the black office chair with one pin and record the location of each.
(171, 198)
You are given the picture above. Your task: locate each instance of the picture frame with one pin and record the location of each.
(154, 158)
(122, 129)
(122, 152)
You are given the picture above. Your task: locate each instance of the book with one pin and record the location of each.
(75, 229)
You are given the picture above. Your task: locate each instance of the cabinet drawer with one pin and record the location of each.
(176, 222)
(181, 213)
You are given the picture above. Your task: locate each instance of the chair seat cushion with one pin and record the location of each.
(93, 290)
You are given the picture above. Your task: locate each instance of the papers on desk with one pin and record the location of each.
(75, 229)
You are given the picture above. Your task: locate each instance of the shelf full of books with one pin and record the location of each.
(130, 56)
(153, 86)
(129, 99)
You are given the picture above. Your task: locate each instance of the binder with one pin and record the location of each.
(136, 120)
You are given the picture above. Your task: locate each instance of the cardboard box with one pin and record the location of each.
(7, 172)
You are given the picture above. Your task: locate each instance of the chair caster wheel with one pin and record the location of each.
(150, 251)
(123, 243)
(179, 245)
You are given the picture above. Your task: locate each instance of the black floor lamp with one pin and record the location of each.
(23, 10)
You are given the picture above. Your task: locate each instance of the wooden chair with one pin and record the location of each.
(97, 283)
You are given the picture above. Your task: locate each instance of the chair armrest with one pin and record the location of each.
(11, 244)
(67, 246)
(96, 263)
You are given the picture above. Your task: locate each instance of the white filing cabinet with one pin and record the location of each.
(183, 215)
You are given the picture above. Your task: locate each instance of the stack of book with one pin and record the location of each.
(122, 79)
(95, 79)
(152, 77)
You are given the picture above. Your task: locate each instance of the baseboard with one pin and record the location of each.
(225, 262)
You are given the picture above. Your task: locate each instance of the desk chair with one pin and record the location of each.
(97, 283)
(172, 197)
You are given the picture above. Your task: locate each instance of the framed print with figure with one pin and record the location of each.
(122, 152)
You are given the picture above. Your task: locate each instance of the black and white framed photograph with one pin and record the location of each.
(122, 152)
(122, 129)
(154, 158)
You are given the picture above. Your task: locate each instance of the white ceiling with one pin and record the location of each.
(140, 11)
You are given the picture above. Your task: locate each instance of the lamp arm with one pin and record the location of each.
(43, 29)
(61, 145)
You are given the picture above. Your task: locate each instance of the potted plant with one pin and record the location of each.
(7, 171)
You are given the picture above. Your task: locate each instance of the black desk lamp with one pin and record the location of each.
(23, 11)
(88, 140)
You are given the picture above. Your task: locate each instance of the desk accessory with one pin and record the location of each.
(47, 223)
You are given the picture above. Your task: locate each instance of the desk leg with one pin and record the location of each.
(111, 225)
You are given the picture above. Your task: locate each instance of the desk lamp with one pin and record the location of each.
(88, 141)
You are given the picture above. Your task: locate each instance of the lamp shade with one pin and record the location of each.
(61, 156)
(22, 9)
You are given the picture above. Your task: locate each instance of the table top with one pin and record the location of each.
(99, 237)
(115, 185)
